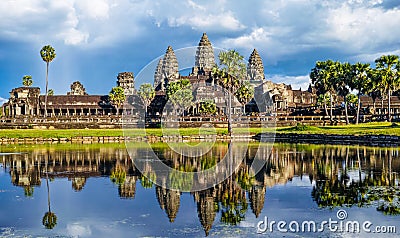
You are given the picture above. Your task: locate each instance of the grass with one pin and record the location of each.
(373, 128)
(384, 128)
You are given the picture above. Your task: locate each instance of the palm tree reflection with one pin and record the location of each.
(49, 220)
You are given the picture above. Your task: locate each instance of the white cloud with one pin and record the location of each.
(297, 82)
(79, 230)
(2, 101)
(363, 28)
(225, 21)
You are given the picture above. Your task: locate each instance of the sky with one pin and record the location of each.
(96, 39)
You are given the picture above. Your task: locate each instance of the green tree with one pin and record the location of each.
(342, 86)
(48, 54)
(27, 80)
(374, 89)
(229, 74)
(388, 68)
(147, 92)
(50, 92)
(244, 94)
(179, 93)
(359, 81)
(207, 107)
(324, 76)
(117, 97)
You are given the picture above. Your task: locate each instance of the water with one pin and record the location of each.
(98, 191)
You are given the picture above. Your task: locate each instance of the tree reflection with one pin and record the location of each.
(339, 176)
(49, 220)
(371, 187)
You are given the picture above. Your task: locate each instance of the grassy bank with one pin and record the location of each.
(361, 129)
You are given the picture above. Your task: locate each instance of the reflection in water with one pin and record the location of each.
(49, 219)
(340, 176)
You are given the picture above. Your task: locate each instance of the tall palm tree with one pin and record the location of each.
(27, 80)
(323, 76)
(389, 72)
(359, 81)
(343, 85)
(373, 88)
(48, 54)
(229, 75)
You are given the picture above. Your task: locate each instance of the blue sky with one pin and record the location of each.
(97, 39)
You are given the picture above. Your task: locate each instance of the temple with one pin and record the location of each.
(270, 98)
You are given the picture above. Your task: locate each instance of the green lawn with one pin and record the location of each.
(361, 129)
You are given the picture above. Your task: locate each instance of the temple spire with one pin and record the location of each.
(204, 60)
(167, 69)
(255, 67)
(159, 81)
(170, 67)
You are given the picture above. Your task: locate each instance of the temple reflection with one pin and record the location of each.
(339, 175)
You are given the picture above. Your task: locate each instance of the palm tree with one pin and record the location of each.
(342, 85)
(49, 220)
(231, 72)
(323, 76)
(244, 94)
(359, 81)
(48, 54)
(389, 72)
(27, 80)
(50, 92)
(373, 88)
(117, 97)
(147, 92)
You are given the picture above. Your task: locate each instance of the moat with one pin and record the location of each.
(97, 191)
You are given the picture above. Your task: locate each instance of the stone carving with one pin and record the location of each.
(255, 67)
(77, 89)
(126, 80)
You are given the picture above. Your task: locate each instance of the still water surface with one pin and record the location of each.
(96, 191)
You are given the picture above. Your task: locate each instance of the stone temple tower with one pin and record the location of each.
(159, 82)
(167, 69)
(126, 81)
(170, 66)
(255, 67)
(204, 61)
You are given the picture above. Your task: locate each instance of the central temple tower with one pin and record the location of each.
(205, 60)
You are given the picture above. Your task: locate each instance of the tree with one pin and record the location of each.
(147, 92)
(48, 54)
(180, 94)
(117, 97)
(373, 87)
(207, 107)
(323, 76)
(244, 94)
(50, 92)
(49, 220)
(342, 85)
(229, 74)
(359, 77)
(388, 68)
(27, 80)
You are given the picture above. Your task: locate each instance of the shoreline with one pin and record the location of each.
(294, 138)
